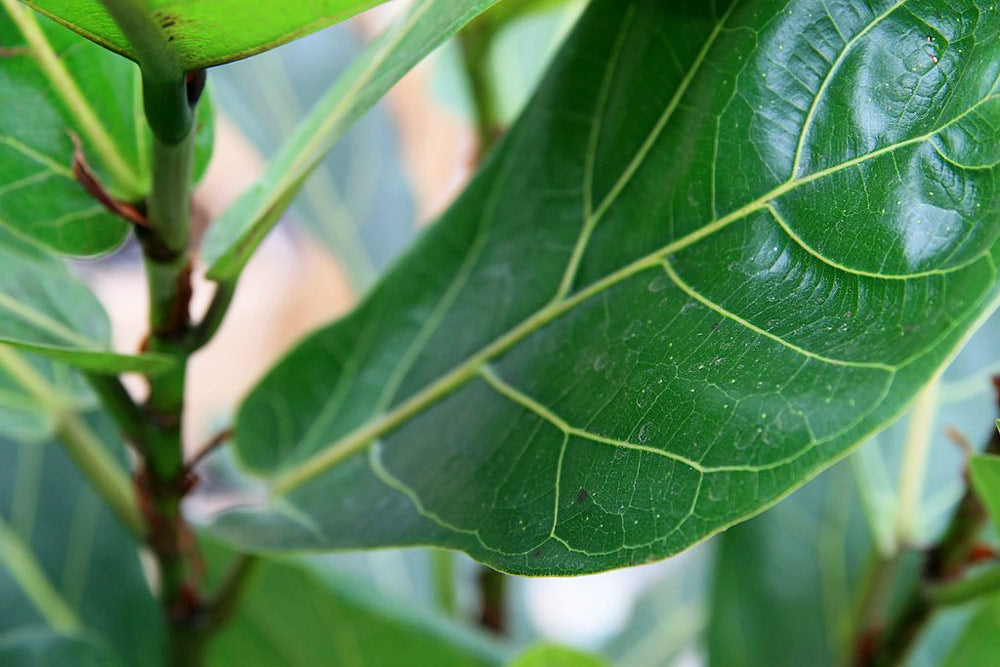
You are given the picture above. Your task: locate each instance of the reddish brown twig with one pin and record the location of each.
(217, 441)
(86, 177)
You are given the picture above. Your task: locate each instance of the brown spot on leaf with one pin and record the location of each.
(582, 495)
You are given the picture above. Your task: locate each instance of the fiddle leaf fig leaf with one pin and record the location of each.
(33, 392)
(722, 247)
(201, 34)
(71, 585)
(232, 240)
(44, 309)
(55, 85)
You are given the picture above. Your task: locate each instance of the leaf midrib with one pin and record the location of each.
(362, 436)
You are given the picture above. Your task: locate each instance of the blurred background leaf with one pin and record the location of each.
(68, 569)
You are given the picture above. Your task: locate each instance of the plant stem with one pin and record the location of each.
(170, 105)
(168, 275)
(115, 399)
(914, 465)
(945, 561)
(476, 42)
(443, 576)
(493, 588)
(216, 313)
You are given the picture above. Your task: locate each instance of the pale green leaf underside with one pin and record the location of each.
(71, 585)
(232, 239)
(719, 250)
(45, 310)
(201, 33)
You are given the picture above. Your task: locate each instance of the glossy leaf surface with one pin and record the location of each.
(44, 309)
(233, 238)
(199, 33)
(718, 251)
(53, 84)
(69, 572)
(291, 615)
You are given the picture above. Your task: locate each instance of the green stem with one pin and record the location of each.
(164, 94)
(876, 590)
(476, 42)
(202, 334)
(115, 399)
(166, 257)
(493, 589)
(164, 242)
(443, 576)
(227, 599)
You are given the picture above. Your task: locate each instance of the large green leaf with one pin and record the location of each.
(199, 33)
(54, 83)
(718, 251)
(291, 615)
(68, 569)
(44, 309)
(233, 238)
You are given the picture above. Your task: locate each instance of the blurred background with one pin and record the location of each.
(732, 599)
